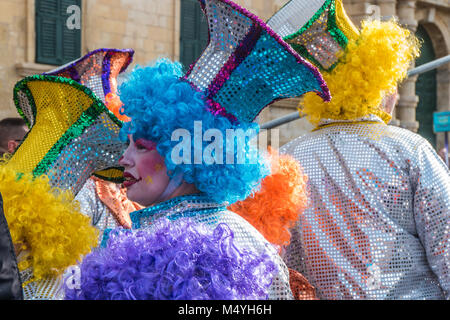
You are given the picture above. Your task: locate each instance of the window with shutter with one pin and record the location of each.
(193, 32)
(56, 43)
(426, 88)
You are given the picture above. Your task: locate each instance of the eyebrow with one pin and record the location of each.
(149, 145)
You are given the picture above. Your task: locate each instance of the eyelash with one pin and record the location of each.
(140, 146)
(144, 146)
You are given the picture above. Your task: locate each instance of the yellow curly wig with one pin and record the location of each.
(282, 198)
(373, 64)
(45, 223)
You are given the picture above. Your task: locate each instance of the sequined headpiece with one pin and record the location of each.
(317, 29)
(98, 70)
(359, 66)
(73, 134)
(247, 66)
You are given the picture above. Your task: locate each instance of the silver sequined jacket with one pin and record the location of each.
(378, 225)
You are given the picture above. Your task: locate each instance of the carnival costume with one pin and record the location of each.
(275, 209)
(72, 136)
(101, 197)
(194, 247)
(378, 225)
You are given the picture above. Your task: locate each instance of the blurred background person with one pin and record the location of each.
(12, 132)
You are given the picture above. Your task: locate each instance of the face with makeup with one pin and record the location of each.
(145, 172)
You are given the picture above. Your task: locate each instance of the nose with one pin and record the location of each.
(125, 161)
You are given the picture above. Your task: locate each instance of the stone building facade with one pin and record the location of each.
(152, 29)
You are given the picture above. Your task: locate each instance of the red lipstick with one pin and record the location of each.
(129, 180)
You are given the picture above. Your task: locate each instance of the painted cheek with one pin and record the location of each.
(149, 167)
(148, 180)
(159, 166)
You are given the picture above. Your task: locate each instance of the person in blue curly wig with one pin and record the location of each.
(199, 151)
(189, 156)
(162, 173)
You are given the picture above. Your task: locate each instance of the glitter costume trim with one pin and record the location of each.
(329, 11)
(196, 204)
(187, 206)
(75, 70)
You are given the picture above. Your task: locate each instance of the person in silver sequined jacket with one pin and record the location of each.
(378, 224)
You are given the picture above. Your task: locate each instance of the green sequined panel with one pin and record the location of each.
(320, 40)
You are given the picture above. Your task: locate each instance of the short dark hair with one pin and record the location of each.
(9, 129)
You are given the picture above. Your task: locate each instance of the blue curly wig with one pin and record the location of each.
(175, 261)
(159, 102)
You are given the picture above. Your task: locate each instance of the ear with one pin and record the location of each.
(12, 146)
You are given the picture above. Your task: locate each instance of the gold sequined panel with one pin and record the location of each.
(55, 114)
(73, 135)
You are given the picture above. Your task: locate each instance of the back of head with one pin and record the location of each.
(372, 67)
(360, 67)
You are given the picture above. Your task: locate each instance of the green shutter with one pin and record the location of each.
(193, 32)
(56, 44)
(426, 89)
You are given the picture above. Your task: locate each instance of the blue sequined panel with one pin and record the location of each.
(247, 66)
(97, 70)
(261, 79)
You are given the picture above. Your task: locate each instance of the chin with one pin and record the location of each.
(140, 199)
(133, 197)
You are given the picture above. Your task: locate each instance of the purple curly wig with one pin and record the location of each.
(178, 260)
